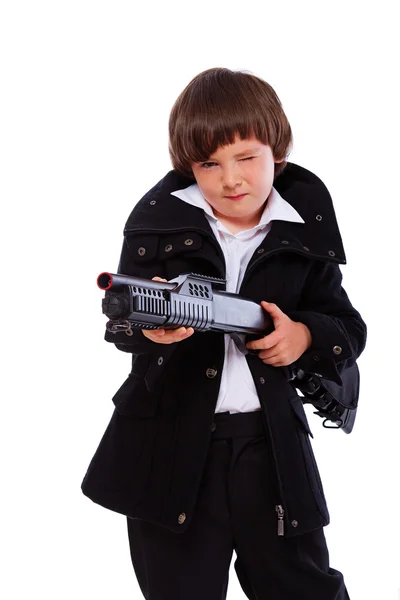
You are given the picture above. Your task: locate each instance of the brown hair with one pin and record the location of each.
(217, 104)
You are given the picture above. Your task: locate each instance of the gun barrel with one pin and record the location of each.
(106, 281)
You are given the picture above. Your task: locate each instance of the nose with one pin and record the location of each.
(231, 178)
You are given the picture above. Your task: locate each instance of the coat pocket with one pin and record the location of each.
(133, 399)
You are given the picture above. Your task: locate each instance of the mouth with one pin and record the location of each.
(236, 197)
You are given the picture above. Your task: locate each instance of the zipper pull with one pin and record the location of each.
(280, 512)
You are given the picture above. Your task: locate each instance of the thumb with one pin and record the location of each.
(272, 309)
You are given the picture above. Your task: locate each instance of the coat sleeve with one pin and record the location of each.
(338, 332)
(138, 344)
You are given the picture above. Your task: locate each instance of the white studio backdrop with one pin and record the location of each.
(86, 92)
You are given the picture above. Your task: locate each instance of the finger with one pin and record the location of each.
(269, 357)
(180, 333)
(265, 343)
(273, 310)
(176, 335)
(271, 307)
(272, 361)
(279, 362)
(185, 331)
(168, 336)
(162, 336)
(270, 352)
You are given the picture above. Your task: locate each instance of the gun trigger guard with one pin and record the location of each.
(239, 344)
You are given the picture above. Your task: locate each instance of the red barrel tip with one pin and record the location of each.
(104, 281)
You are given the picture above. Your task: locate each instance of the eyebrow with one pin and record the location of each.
(249, 151)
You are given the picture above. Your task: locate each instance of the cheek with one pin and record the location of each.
(209, 188)
(262, 179)
(207, 193)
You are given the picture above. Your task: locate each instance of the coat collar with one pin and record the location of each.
(318, 236)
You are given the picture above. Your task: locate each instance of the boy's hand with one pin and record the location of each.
(163, 336)
(286, 344)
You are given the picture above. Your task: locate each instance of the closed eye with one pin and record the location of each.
(212, 163)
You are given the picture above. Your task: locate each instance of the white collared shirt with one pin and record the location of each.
(237, 392)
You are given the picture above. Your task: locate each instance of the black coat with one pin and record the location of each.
(150, 460)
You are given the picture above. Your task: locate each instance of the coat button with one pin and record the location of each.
(168, 248)
(181, 518)
(142, 251)
(188, 242)
(260, 250)
(211, 373)
(319, 218)
(160, 360)
(285, 242)
(331, 253)
(294, 523)
(337, 349)
(262, 380)
(213, 427)
(152, 202)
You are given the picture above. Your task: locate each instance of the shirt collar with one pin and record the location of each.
(276, 209)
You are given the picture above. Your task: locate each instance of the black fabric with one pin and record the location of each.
(150, 461)
(235, 511)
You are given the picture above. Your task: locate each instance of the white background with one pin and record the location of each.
(87, 87)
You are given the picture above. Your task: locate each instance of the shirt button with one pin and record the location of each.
(213, 427)
(160, 360)
(316, 358)
(211, 373)
(142, 251)
(262, 380)
(294, 523)
(188, 242)
(337, 349)
(181, 518)
(260, 250)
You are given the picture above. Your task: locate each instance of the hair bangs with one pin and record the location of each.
(219, 104)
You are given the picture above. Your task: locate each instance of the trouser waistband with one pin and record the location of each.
(246, 424)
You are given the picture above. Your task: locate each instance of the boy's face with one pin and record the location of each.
(227, 174)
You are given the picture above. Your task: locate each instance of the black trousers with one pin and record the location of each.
(230, 514)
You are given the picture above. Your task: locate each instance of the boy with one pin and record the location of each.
(208, 448)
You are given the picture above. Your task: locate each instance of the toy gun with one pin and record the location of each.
(193, 300)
